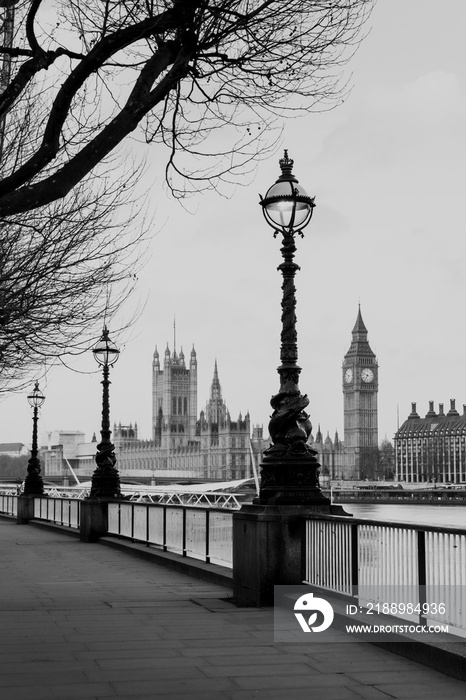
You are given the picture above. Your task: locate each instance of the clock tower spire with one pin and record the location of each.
(360, 387)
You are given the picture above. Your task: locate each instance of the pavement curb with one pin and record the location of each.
(191, 567)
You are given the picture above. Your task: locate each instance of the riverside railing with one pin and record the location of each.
(8, 504)
(366, 561)
(201, 533)
(61, 511)
(384, 564)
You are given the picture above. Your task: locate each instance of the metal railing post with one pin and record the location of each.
(164, 528)
(421, 572)
(207, 536)
(354, 560)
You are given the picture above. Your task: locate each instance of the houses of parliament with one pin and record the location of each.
(211, 445)
(184, 443)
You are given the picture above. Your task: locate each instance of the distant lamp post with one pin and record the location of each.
(106, 479)
(289, 470)
(33, 483)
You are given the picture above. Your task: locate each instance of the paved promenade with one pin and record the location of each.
(87, 621)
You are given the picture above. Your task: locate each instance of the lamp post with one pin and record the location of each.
(33, 483)
(289, 470)
(106, 479)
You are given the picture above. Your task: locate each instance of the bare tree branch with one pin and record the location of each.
(208, 81)
(56, 265)
(183, 66)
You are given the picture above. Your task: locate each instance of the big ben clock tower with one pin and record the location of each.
(360, 387)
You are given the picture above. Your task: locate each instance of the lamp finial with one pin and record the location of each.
(286, 164)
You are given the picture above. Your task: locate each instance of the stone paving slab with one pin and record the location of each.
(82, 621)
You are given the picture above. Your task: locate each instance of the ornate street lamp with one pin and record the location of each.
(290, 470)
(33, 483)
(106, 479)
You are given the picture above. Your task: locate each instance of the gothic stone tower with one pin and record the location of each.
(224, 443)
(360, 387)
(174, 400)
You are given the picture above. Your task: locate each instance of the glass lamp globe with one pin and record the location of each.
(105, 351)
(286, 205)
(36, 398)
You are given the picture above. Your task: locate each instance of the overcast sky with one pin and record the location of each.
(388, 172)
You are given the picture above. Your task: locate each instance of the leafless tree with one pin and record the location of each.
(206, 79)
(64, 268)
(203, 77)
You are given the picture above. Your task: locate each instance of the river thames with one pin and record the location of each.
(449, 516)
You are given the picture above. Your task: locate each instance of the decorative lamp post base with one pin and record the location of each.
(105, 484)
(33, 484)
(290, 480)
(105, 487)
(106, 478)
(290, 469)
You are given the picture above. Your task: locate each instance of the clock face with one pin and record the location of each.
(349, 376)
(367, 375)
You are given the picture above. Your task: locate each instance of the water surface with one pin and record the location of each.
(450, 516)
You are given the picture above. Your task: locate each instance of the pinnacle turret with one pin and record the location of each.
(216, 390)
(359, 344)
(156, 359)
(193, 357)
(359, 330)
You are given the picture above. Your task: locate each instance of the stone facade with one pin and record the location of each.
(184, 444)
(331, 455)
(433, 448)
